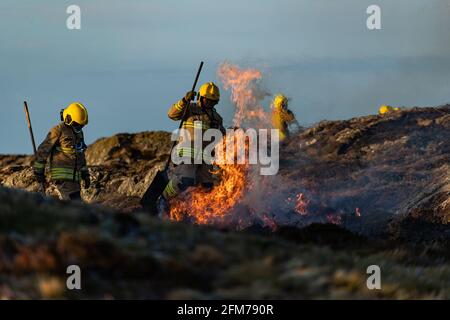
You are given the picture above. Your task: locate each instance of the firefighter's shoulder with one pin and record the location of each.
(56, 130)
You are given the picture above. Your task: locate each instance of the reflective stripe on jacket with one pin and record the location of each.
(66, 160)
(196, 118)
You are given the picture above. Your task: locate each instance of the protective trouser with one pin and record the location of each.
(68, 190)
(188, 175)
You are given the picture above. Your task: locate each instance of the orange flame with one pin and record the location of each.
(215, 206)
(301, 204)
(207, 207)
(227, 203)
(245, 95)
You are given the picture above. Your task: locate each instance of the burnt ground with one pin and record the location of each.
(393, 168)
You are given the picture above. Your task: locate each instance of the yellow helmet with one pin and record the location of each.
(75, 112)
(210, 91)
(385, 109)
(280, 101)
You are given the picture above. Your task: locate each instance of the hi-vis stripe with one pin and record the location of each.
(39, 166)
(195, 125)
(66, 150)
(179, 106)
(170, 190)
(64, 174)
(191, 152)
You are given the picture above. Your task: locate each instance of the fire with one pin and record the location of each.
(213, 206)
(269, 222)
(301, 204)
(334, 219)
(239, 198)
(245, 95)
(216, 206)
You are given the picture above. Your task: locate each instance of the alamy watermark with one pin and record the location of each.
(374, 280)
(373, 22)
(73, 21)
(237, 146)
(74, 279)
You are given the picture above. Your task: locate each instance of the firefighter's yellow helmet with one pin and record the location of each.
(75, 112)
(280, 101)
(385, 109)
(210, 91)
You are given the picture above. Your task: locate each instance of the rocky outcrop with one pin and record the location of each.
(121, 167)
(372, 172)
(385, 177)
(389, 167)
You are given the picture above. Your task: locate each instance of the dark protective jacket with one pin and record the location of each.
(209, 119)
(65, 149)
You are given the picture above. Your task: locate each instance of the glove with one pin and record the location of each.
(39, 175)
(86, 178)
(190, 95)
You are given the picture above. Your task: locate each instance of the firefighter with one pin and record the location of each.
(201, 115)
(387, 109)
(283, 119)
(65, 147)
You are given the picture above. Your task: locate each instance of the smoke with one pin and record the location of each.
(268, 200)
(246, 95)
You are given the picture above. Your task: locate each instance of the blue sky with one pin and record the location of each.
(133, 58)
